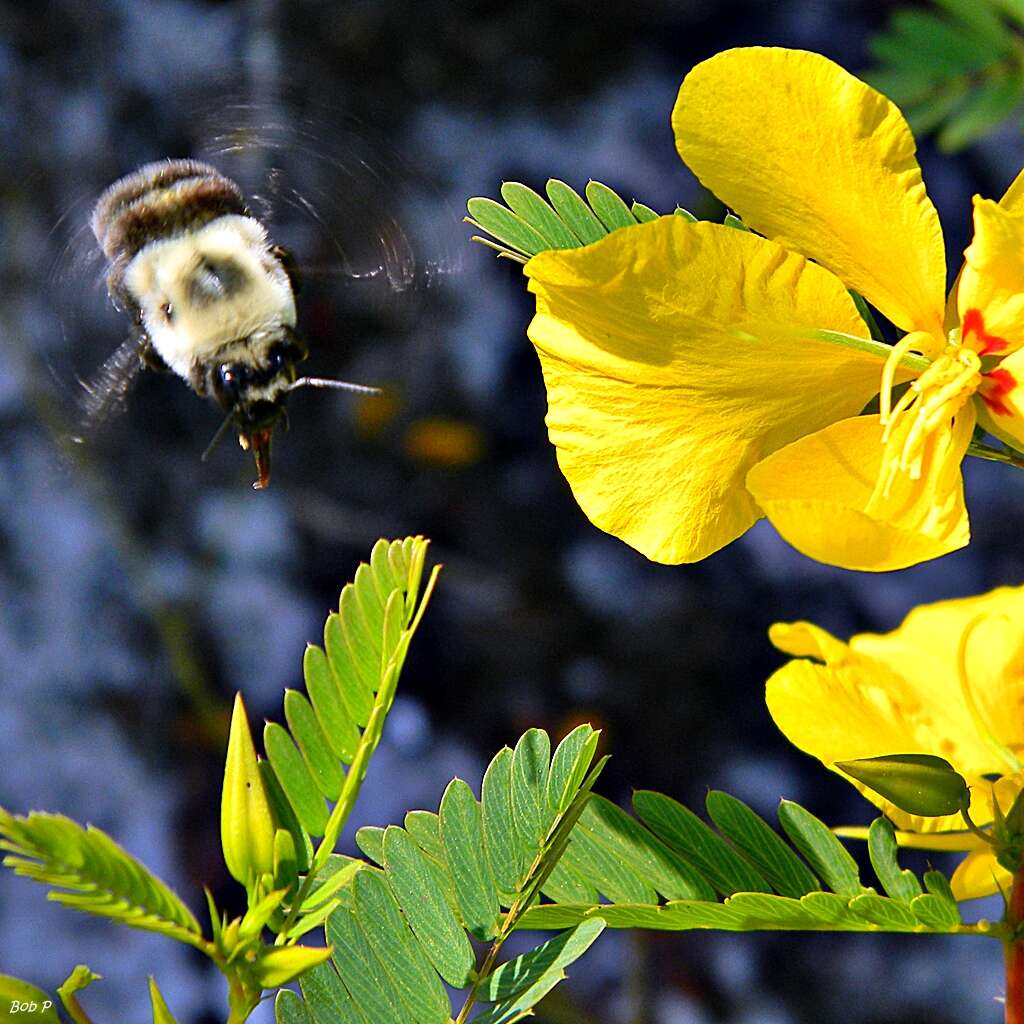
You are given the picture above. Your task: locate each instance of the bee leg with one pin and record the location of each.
(148, 355)
(291, 268)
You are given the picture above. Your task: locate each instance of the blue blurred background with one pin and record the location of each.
(139, 587)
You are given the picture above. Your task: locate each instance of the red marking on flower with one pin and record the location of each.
(995, 386)
(985, 344)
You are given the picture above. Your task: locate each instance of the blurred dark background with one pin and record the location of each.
(139, 587)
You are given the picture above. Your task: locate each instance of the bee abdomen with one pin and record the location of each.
(159, 200)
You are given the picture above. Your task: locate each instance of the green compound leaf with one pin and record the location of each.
(404, 933)
(403, 959)
(326, 998)
(529, 780)
(529, 225)
(981, 111)
(88, 871)
(425, 828)
(351, 684)
(579, 217)
(848, 907)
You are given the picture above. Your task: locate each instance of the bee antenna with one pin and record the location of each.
(338, 385)
(216, 437)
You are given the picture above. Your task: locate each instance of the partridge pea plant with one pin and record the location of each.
(423, 915)
(700, 377)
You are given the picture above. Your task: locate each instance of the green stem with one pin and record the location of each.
(984, 451)
(1013, 949)
(971, 827)
(867, 316)
(74, 1008)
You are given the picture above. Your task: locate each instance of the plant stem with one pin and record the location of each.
(1014, 951)
(75, 1011)
(990, 454)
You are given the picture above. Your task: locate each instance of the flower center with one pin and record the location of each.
(925, 410)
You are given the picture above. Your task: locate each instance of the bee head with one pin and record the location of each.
(252, 388)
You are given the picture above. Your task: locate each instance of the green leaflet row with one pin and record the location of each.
(401, 930)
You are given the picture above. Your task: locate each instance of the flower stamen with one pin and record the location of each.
(930, 403)
(899, 350)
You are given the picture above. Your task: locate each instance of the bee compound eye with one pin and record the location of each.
(227, 383)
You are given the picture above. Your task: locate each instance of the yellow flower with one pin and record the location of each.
(700, 377)
(949, 681)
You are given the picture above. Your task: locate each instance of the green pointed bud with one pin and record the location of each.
(277, 965)
(916, 783)
(1014, 820)
(1008, 833)
(256, 917)
(161, 1015)
(230, 936)
(246, 822)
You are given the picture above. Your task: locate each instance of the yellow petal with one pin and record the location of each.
(947, 842)
(1013, 197)
(964, 658)
(989, 297)
(910, 679)
(980, 874)
(805, 640)
(842, 712)
(811, 156)
(856, 708)
(1012, 202)
(1000, 400)
(673, 359)
(817, 494)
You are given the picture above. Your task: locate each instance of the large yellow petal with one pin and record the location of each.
(817, 492)
(811, 156)
(673, 359)
(989, 297)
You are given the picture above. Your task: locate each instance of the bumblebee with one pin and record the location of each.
(209, 295)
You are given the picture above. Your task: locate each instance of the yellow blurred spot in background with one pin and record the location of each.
(443, 442)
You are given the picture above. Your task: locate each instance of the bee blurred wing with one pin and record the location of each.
(106, 394)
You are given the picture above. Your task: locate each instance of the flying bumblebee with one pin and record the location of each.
(210, 297)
